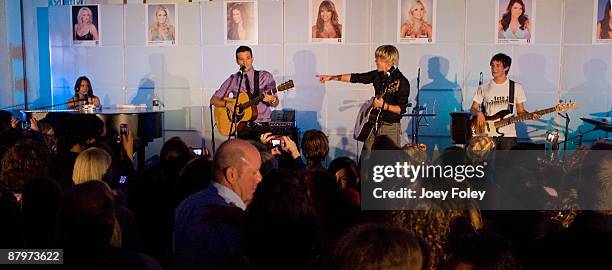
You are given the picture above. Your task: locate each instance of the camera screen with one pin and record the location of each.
(276, 142)
(197, 151)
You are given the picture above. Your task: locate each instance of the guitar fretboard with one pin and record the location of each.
(258, 99)
(254, 101)
(520, 118)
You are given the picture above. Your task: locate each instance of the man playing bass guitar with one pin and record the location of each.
(392, 103)
(497, 96)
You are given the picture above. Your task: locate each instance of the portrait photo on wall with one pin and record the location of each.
(85, 25)
(327, 18)
(416, 20)
(161, 24)
(241, 22)
(602, 30)
(515, 21)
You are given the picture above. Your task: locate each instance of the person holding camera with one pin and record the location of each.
(284, 148)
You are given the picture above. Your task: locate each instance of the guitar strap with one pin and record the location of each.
(511, 98)
(256, 82)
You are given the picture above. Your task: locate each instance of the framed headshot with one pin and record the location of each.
(85, 25)
(161, 25)
(327, 21)
(241, 22)
(515, 22)
(602, 32)
(416, 21)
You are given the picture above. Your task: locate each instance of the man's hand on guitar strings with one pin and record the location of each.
(268, 98)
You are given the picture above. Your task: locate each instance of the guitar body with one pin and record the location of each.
(367, 121)
(489, 128)
(368, 117)
(223, 116)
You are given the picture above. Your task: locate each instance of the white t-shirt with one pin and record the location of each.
(495, 97)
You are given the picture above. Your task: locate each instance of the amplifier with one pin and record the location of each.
(282, 124)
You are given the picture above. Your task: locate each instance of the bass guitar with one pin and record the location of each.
(246, 111)
(494, 122)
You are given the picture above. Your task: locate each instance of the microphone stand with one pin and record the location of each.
(567, 120)
(212, 128)
(54, 105)
(416, 111)
(233, 124)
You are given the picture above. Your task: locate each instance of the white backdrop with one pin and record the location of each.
(561, 64)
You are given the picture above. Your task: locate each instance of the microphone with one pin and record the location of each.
(391, 70)
(242, 68)
(86, 99)
(480, 81)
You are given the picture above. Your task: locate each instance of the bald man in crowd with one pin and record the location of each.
(206, 232)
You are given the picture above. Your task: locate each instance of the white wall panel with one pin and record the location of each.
(134, 15)
(189, 24)
(578, 21)
(111, 25)
(481, 23)
(537, 67)
(270, 22)
(549, 21)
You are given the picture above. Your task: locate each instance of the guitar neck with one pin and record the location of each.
(257, 99)
(520, 118)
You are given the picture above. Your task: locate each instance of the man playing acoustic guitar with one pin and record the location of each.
(496, 95)
(393, 103)
(254, 83)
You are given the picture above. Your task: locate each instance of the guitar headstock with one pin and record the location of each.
(564, 106)
(285, 86)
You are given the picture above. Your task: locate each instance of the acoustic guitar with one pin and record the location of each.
(246, 111)
(368, 117)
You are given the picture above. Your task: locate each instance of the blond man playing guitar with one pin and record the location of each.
(392, 102)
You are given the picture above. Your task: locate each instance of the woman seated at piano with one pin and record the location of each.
(83, 94)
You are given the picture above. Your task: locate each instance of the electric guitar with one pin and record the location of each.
(246, 111)
(494, 122)
(368, 117)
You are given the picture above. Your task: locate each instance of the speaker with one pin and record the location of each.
(460, 127)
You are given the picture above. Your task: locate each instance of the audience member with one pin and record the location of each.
(40, 205)
(315, 148)
(281, 230)
(86, 222)
(26, 160)
(377, 246)
(205, 235)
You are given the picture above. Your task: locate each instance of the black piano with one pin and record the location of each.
(145, 125)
